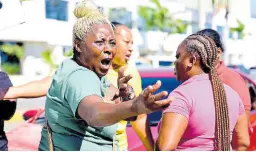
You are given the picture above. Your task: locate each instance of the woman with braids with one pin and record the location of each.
(227, 76)
(205, 113)
(80, 109)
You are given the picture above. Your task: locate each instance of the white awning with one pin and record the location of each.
(51, 31)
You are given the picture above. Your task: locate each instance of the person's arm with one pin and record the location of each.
(172, 128)
(241, 87)
(32, 89)
(96, 113)
(141, 125)
(142, 128)
(240, 138)
(174, 121)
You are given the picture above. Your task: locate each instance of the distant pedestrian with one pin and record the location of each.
(7, 109)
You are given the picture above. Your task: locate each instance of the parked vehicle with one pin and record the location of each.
(29, 133)
(252, 73)
(252, 88)
(240, 68)
(166, 75)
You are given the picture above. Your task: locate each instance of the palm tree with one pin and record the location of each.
(161, 19)
(218, 4)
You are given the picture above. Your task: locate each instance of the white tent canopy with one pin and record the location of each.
(51, 31)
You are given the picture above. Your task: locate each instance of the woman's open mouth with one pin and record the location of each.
(128, 56)
(105, 63)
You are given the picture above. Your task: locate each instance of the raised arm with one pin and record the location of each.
(32, 89)
(142, 128)
(141, 125)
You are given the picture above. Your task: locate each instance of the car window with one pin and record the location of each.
(165, 63)
(253, 74)
(168, 84)
(240, 68)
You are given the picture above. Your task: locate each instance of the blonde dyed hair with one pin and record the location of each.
(87, 14)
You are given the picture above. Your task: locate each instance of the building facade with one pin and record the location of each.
(47, 25)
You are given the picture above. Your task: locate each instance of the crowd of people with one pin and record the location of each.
(208, 111)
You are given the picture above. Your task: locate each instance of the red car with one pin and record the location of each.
(27, 136)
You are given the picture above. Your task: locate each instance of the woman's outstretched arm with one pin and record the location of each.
(34, 89)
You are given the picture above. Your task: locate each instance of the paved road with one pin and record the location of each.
(22, 106)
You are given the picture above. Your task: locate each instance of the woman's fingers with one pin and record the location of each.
(121, 72)
(156, 86)
(160, 95)
(124, 81)
(163, 103)
(151, 89)
(147, 92)
(117, 95)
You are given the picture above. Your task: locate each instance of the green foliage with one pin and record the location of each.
(11, 68)
(15, 50)
(69, 53)
(239, 29)
(12, 50)
(178, 26)
(46, 55)
(159, 18)
(213, 2)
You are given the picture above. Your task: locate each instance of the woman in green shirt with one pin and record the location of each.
(79, 115)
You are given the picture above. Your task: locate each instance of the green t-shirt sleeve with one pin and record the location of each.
(81, 84)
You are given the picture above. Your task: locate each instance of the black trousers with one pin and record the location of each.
(3, 143)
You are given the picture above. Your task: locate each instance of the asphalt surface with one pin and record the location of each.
(22, 106)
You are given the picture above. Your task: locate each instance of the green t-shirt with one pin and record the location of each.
(71, 83)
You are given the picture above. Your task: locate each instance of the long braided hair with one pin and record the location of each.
(207, 51)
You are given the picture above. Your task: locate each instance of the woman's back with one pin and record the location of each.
(194, 100)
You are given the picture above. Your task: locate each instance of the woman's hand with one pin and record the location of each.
(147, 102)
(125, 91)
